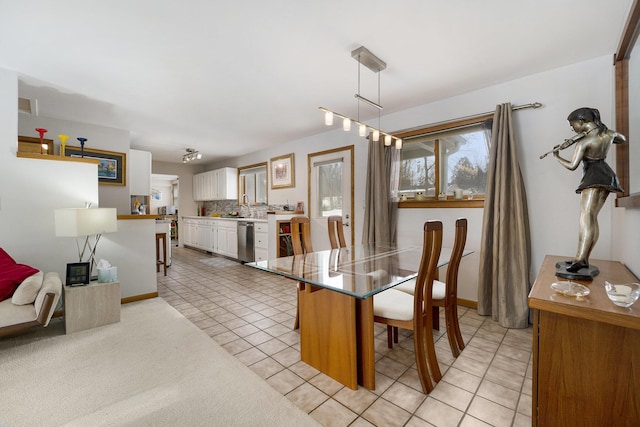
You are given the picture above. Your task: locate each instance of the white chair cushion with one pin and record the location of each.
(439, 288)
(11, 314)
(28, 290)
(392, 304)
(409, 286)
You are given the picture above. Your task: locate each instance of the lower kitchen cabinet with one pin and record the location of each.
(212, 235)
(261, 241)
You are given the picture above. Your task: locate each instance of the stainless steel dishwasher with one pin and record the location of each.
(245, 241)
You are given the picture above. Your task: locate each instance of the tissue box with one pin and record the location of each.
(107, 275)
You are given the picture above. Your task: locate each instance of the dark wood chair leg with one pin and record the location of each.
(436, 318)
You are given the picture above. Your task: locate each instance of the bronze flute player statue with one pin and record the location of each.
(592, 144)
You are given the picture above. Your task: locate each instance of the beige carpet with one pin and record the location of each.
(154, 368)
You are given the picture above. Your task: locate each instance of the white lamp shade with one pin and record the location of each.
(75, 222)
(328, 118)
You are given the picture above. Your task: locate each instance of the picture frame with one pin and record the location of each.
(77, 274)
(112, 169)
(28, 144)
(299, 208)
(282, 172)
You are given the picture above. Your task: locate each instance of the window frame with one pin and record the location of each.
(450, 202)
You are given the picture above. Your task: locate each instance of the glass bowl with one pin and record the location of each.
(623, 295)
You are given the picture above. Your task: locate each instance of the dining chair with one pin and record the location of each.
(445, 294)
(301, 242)
(414, 312)
(336, 233)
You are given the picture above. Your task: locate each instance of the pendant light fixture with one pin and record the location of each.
(375, 64)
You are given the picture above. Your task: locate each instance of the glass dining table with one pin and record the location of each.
(336, 290)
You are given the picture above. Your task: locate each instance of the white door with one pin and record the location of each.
(330, 193)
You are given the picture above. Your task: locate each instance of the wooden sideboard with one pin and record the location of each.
(586, 354)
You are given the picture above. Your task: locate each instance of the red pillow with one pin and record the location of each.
(12, 274)
(5, 259)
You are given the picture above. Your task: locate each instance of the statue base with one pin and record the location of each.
(586, 273)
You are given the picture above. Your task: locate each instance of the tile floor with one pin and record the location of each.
(250, 313)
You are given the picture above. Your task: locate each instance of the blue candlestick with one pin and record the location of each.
(82, 141)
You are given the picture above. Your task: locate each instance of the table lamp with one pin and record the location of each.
(86, 222)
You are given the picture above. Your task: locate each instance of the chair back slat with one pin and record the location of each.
(456, 255)
(336, 233)
(301, 235)
(432, 246)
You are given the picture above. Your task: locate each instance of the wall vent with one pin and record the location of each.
(24, 106)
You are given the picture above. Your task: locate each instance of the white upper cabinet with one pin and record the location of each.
(226, 184)
(139, 173)
(219, 184)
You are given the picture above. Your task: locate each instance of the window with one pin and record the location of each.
(329, 187)
(440, 161)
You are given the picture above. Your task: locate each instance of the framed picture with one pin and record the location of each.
(77, 274)
(282, 174)
(112, 169)
(299, 207)
(27, 144)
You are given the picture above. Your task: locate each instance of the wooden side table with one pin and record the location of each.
(90, 306)
(585, 352)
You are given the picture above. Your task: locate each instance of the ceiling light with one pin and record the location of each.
(375, 64)
(191, 154)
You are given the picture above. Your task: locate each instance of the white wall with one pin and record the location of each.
(626, 234)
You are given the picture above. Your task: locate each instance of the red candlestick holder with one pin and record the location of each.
(41, 131)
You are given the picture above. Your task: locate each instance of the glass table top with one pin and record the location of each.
(360, 271)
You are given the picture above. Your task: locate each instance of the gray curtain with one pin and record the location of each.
(505, 252)
(381, 197)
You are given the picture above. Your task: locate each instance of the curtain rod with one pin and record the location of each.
(474, 116)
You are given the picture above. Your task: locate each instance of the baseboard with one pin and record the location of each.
(140, 297)
(467, 303)
(60, 313)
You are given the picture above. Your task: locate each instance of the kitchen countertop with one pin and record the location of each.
(137, 216)
(227, 218)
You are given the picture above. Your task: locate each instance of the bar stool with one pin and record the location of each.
(163, 261)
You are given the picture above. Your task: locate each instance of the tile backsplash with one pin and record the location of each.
(226, 206)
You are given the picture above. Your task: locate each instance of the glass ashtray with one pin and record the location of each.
(570, 289)
(623, 295)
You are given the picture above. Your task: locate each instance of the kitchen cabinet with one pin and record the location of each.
(189, 238)
(279, 226)
(204, 235)
(226, 184)
(212, 235)
(226, 238)
(203, 186)
(261, 241)
(219, 184)
(198, 233)
(139, 173)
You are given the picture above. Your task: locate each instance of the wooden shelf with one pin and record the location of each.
(284, 245)
(55, 157)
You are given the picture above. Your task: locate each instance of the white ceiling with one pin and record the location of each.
(229, 77)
